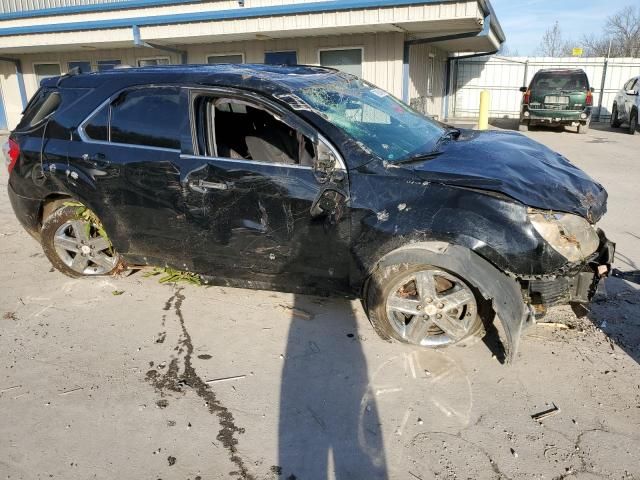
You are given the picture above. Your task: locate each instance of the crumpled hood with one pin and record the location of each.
(512, 164)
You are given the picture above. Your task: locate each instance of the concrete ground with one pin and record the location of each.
(127, 378)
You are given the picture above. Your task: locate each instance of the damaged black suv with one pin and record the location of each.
(305, 179)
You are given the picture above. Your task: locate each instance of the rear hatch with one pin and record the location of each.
(560, 90)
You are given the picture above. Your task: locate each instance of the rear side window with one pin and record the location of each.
(152, 117)
(569, 81)
(44, 103)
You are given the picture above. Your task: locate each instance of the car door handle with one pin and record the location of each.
(97, 159)
(204, 185)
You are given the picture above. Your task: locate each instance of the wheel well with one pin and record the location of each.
(51, 203)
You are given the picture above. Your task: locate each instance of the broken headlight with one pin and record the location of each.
(570, 235)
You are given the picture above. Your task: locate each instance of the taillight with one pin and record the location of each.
(589, 101)
(11, 151)
(526, 97)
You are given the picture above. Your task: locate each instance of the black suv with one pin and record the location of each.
(305, 179)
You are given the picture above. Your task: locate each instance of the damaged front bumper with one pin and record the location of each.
(577, 285)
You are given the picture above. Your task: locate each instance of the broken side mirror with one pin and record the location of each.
(325, 162)
(330, 205)
(633, 93)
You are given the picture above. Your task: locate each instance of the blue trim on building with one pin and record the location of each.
(96, 7)
(231, 14)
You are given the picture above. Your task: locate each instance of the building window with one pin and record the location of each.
(84, 67)
(281, 58)
(151, 62)
(431, 67)
(348, 60)
(226, 58)
(104, 65)
(46, 70)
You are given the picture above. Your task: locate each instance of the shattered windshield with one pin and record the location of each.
(374, 118)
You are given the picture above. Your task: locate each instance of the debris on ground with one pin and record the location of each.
(10, 316)
(226, 379)
(546, 413)
(562, 326)
(170, 275)
(171, 460)
(296, 312)
(117, 293)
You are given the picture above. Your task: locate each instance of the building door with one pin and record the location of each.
(281, 58)
(3, 116)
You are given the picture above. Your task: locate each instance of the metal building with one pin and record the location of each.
(403, 46)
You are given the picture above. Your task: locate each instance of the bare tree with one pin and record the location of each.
(596, 46)
(621, 36)
(623, 28)
(552, 44)
(507, 51)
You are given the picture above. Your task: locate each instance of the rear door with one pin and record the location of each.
(127, 168)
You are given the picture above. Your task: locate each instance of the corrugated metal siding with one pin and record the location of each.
(503, 77)
(419, 95)
(10, 6)
(382, 59)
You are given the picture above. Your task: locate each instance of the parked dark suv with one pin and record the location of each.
(557, 98)
(306, 179)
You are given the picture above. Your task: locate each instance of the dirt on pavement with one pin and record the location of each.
(127, 378)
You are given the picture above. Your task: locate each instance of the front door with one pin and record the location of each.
(267, 217)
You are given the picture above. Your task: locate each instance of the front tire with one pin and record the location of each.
(74, 245)
(633, 122)
(424, 305)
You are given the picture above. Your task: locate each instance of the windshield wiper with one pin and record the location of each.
(421, 157)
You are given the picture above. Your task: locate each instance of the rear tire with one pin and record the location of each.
(451, 313)
(633, 122)
(74, 246)
(615, 119)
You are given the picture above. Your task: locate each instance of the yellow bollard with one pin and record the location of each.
(485, 100)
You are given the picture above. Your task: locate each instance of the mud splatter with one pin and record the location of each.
(174, 380)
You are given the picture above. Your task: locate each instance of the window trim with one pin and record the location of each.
(264, 55)
(86, 139)
(97, 63)
(333, 49)
(159, 57)
(80, 61)
(206, 57)
(255, 101)
(44, 63)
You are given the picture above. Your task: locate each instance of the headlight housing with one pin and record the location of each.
(570, 235)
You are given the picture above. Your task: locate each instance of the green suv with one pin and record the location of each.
(557, 98)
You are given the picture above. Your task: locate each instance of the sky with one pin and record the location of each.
(525, 21)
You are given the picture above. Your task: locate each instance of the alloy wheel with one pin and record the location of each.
(81, 247)
(431, 308)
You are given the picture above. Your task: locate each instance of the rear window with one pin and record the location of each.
(569, 81)
(150, 117)
(43, 104)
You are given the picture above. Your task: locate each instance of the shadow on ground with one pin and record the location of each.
(328, 424)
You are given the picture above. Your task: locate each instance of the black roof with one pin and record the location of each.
(271, 78)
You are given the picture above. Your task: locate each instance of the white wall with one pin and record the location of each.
(503, 77)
